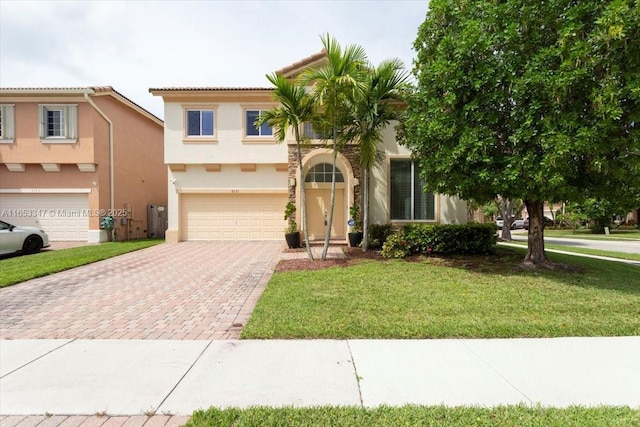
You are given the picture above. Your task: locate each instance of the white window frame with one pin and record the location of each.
(246, 124)
(69, 129)
(7, 123)
(413, 195)
(199, 138)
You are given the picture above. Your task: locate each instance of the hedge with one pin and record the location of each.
(472, 238)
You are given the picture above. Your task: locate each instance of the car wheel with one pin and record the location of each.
(32, 244)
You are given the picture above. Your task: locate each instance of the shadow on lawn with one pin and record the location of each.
(506, 262)
(569, 270)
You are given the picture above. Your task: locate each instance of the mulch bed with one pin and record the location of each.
(352, 256)
(498, 263)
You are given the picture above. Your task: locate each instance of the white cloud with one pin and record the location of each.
(135, 45)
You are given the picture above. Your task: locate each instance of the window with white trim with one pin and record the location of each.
(199, 123)
(408, 200)
(251, 129)
(7, 125)
(310, 132)
(322, 172)
(58, 123)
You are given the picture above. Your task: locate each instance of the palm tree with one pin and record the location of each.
(369, 115)
(296, 107)
(340, 79)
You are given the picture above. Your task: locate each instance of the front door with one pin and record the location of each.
(318, 204)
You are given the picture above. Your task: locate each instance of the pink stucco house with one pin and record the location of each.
(69, 156)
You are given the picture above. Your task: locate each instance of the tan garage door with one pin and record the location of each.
(64, 217)
(232, 216)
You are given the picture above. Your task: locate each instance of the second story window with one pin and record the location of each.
(251, 129)
(200, 123)
(58, 123)
(310, 131)
(6, 123)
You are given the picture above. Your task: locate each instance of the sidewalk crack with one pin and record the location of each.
(39, 357)
(183, 376)
(464, 342)
(355, 370)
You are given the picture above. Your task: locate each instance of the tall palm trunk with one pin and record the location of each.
(365, 210)
(303, 194)
(332, 203)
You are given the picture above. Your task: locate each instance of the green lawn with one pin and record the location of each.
(473, 297)
(571, 248)
(587, 234)
(413, 415)
(20, 268)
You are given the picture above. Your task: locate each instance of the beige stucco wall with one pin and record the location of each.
(449, 210)
(230, 178)
(229, 147)
(230, 150)
(186, 158)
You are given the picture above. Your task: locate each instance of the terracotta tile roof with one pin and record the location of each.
(69, 90)
(91, 90)
(208, 89)
(303, 62)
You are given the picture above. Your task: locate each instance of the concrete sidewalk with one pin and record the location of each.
(568, 252)
(129, 377)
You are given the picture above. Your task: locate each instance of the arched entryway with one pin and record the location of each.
(317, 168)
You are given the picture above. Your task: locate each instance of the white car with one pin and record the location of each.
(16, 238)
(515, 224)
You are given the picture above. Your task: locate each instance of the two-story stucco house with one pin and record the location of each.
(70, 156)
(229, 179)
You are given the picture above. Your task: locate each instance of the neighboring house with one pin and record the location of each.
(230, 180)
(70, 156)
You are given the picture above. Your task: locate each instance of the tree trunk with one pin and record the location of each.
(535, 247)
(506, 229)
(325, 248)
(505, 207)
(303, 196)
(365, 210)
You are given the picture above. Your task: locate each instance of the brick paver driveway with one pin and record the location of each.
(189, 290)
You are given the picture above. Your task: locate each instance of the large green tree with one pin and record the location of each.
(296, 107)
(530, 100)
(334, 84)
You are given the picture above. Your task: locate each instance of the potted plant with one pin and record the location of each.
(355, 234)
(291, 233)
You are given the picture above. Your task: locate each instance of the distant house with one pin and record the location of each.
(70, 156)
(230, 180)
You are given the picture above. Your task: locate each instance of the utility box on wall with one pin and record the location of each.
(157, 221)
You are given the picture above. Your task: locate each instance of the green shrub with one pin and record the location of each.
(378, 234)
(471, 238)
(396, 246)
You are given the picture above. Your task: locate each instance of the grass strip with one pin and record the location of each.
(21, 268)
(587, 251)
(587, 234)
(414, 415)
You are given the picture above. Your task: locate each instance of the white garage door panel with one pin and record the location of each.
(62, 216)
(233, 216)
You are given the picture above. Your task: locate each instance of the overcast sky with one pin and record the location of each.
(136, 45)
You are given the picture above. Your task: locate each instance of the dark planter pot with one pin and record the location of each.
(293, 240)
(355, 239)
